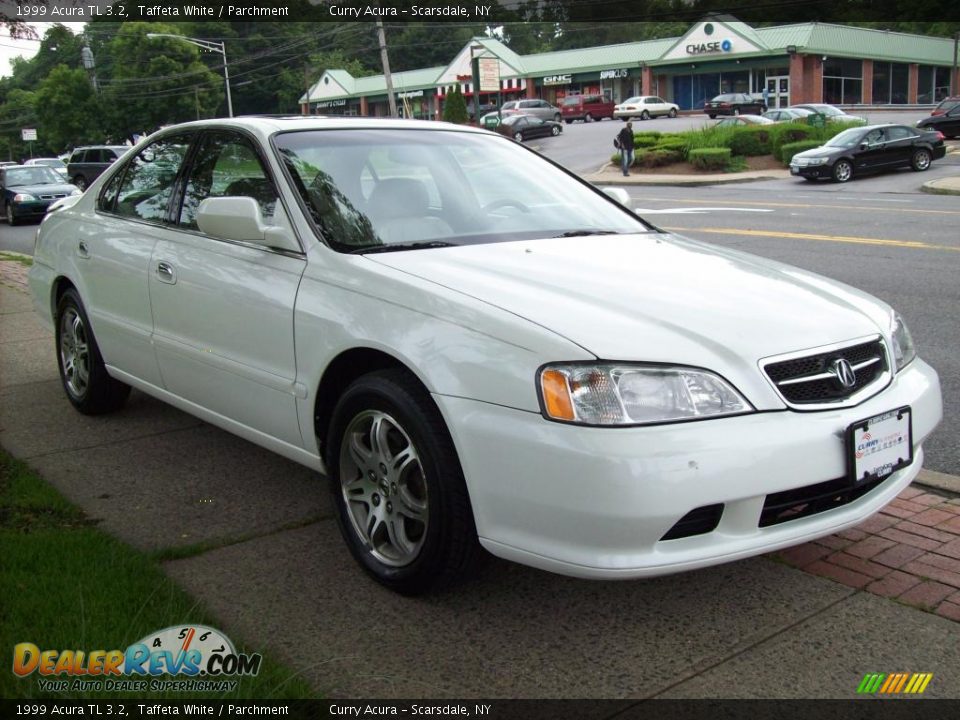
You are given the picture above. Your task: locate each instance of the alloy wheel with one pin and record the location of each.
(842, 171)
(921, 160)
(74, 352)
(384, 488)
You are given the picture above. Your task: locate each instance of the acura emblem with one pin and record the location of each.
(844, 372)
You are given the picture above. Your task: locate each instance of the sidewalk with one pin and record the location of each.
(279, 575)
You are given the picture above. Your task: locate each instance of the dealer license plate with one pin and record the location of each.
(880, 445)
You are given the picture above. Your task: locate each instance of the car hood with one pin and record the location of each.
(817, 152)
(51, 189)
(653, 297)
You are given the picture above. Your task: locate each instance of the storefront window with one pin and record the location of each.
(842, 81)
(890, 82)
(933, 84)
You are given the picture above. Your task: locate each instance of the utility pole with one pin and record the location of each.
(386, 69)
(954, 79)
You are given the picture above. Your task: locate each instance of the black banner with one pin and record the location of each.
(865, 709)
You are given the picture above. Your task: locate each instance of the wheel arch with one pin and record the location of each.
(337, 376)
(59, 286)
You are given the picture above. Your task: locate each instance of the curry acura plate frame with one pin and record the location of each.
(895, 428)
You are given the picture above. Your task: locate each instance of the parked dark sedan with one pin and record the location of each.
(869, 149)
(945, 118)
(524, 127)
(733, 104)
(27, 191)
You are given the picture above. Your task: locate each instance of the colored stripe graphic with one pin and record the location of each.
(894, 683)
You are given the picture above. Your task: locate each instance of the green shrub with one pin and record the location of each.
(455, 108)
(656, 158)
(790, 149)
(655, 134)
(644, 141)
(673, 144)
(615, 158)
(751, 141)
(710, 158)
(786, 133)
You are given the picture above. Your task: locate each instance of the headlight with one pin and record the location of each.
(607, 394)
(23, 197)
(904, 350)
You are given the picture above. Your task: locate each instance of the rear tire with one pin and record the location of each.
(518, 136)
(400, 497)
(713, 117)
(921, 160)
(555, 130)
(644, 115)
(673, 112)
(89, 387)
(588, 118)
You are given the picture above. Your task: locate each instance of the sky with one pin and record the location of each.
(11, 48)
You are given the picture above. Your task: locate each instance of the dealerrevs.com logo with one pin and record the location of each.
(204, 657)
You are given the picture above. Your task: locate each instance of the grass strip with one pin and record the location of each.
(66, 585)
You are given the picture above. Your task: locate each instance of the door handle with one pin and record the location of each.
(82, 250)
(166, 273)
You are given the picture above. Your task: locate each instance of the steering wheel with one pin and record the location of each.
(506, 202)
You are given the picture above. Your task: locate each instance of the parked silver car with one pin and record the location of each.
(538, 108)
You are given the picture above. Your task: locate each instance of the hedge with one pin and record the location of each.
(790, 149)
(656, 158)
(751, 141)
(790, 133)
(643, 141)
(674, 144)
(715, 158)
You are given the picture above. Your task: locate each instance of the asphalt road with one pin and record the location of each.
(879, 234)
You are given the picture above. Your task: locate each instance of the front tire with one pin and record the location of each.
(842, 171)
(400, 496)
(555, 130)
(83, 374)
(920, 160)
(518, 136)
(644, 115)
(673, 112)
(11, 218)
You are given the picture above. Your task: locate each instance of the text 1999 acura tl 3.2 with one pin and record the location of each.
(476, 359)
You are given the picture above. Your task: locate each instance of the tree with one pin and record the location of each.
(455, 108)
(16, 113)
(68, 110)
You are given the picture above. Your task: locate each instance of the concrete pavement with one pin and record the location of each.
(271, 567)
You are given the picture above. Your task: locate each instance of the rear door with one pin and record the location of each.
(899, 146)
(223, 310)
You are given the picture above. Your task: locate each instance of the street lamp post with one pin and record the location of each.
(218, 47)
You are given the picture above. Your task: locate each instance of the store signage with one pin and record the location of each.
(614, 74)
(332, 103)
(410, 94)
(709, 47)
(489, 74)
(558, 79)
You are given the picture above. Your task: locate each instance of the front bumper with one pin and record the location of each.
(812, 171)
(32, 209)
(595, 502)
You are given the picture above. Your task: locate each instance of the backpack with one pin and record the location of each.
(616, 141)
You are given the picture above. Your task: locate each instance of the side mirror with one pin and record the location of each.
(864, 145)
(618, 194)
(238, 218)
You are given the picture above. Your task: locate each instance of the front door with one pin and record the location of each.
(778, 91)
(223, 310)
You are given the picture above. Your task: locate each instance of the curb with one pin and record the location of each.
(938, 481)
(694, 182)
(933, 188)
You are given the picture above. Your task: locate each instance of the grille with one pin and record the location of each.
(696, 522)
(53, 197)
(793, 504)
(809, 379)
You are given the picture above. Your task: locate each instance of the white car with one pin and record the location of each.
(475, 359)
(54, 163)
(645, 107)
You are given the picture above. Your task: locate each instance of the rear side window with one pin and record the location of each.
(947, 105)
(149, 179)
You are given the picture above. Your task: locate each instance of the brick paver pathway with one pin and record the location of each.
(910, 551)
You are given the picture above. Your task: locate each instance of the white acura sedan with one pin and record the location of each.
(475, 358)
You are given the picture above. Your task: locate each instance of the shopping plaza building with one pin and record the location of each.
(801, 63)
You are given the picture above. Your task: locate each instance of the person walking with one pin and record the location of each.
(766, 98)
(625, 143)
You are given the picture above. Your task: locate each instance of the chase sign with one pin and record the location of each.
(714, 46)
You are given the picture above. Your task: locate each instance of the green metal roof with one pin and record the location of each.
(816, 38)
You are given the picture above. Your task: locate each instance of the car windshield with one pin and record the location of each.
(35, 175)
(368, 190)
(575, 100)
(846, 139)
(50, 162)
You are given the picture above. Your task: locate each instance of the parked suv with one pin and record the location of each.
(86, 163)
(587, 108)
(538, 108)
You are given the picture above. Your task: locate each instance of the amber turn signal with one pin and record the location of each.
(556, 395)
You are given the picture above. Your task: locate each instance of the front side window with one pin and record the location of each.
(227, 166)
(149, 179)
(370, 190)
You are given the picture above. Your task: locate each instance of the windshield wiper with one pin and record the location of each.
(401, 246)
(584, 233)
